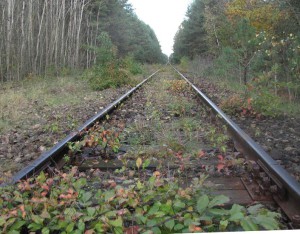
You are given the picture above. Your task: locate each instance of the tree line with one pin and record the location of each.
(248, 40)
(38, 36)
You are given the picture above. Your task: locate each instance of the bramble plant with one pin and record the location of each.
(108, 139)
(67, 204)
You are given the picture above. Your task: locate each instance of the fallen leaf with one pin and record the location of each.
(220, 166)
(138, 162)
(132, 230)
(221, 158)
(156, 174)
(201, 154)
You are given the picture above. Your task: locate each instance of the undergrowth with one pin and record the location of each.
(262, 96)
(109, 70)
(66, 203)
(16, 100)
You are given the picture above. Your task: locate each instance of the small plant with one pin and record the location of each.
(53, 127)
(218, 138)
(66, 158)
(108, 139)
(232, 105)
(75, 147)
(180, 107)
(177, 86)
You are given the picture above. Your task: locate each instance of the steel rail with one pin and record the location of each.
(54, 154)
(251, 147)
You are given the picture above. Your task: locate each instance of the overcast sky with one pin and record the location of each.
(163, 16)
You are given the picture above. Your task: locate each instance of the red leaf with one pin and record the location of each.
(132, 230)
(221, 158)
(201, 154)
(91, 231)
(220, 166)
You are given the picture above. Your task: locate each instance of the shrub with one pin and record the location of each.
(108, 76)
(110, 72)
(132, 66)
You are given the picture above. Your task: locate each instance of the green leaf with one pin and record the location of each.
(151, 181)
(140, 185)
(108, 195)
(116, 223)
(170, 224)
(45, 230)
(62, 224)
(151, 223)
(77, 231)
(223, 225)
(202, 203)
(248, 225)
(219, 212)
(111, 214)
(91, 211)
(37, 219)
(154, 209)
(146, 163)
(78, 184)
(236, 209)
(188, 221)
(267, 222)
(141, 218)
(167, 208)
(118, 230)
(178, 227)
(236, 216)
(41, 178)
(17, 225)
(156, 230)
(81, 225)
(218, 200)
(70, 228)
(159, 214)
(255, 209)
(13, 232)
(2, 221)
(45, 214)
(179, 204)
(98, 227)
(34, 227)
(69, 212)
(86, 196)
(147, 232)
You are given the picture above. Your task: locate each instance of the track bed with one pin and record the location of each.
(159, 163)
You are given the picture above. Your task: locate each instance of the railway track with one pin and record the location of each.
(165, 132)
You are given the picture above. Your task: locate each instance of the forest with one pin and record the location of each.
(255, 43)
(39, 37)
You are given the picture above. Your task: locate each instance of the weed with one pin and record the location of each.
(75, 147)
(66, 158)
(179, 107)
(232, 105)
(177, 86)
(52, 127)
(218, 138)
(139, 133)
